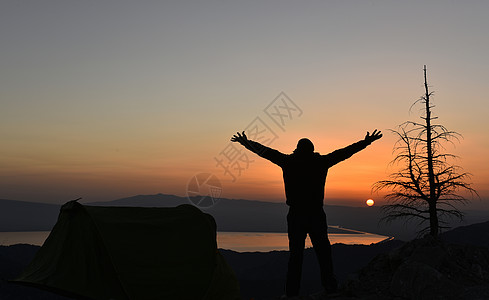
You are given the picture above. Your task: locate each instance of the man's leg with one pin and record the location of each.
(297, 237)
(319, 239)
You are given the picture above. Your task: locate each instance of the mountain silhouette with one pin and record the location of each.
(230, 214)
(475, 234)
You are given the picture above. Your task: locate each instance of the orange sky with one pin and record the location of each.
(116, 99)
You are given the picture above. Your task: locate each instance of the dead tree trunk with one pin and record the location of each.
(429, 155)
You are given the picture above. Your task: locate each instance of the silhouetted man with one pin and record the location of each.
(304, 173)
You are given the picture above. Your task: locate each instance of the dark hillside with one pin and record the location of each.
(475, 234)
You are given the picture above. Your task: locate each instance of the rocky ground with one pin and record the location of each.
(424, 269)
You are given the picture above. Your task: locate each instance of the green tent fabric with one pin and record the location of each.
(133, 253)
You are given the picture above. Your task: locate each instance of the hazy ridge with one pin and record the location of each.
(230, 215)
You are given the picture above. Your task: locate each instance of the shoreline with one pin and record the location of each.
(232, 240)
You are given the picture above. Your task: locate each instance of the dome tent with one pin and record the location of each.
(132, 253)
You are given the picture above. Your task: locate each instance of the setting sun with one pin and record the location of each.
(370, 202)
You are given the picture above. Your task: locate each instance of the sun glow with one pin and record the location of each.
(370, 202)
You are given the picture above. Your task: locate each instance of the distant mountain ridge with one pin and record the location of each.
(230, 215)
(475, 234)
(157, 200)
(27, 216)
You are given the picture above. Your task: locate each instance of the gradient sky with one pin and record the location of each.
(108, 99)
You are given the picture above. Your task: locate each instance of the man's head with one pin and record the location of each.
(304, 146)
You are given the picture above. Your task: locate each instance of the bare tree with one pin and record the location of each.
(427, 186)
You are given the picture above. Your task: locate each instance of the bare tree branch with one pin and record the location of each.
(426, 185)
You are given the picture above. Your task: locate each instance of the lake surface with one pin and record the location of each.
(237, 241)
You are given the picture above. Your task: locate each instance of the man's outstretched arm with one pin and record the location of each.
(271, 154)
(342, 154)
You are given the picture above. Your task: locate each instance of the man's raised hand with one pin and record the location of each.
(375, 136)
(240, 138)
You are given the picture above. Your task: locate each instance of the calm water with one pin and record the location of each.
(237, 241)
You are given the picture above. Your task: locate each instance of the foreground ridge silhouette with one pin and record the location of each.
(304, 174)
